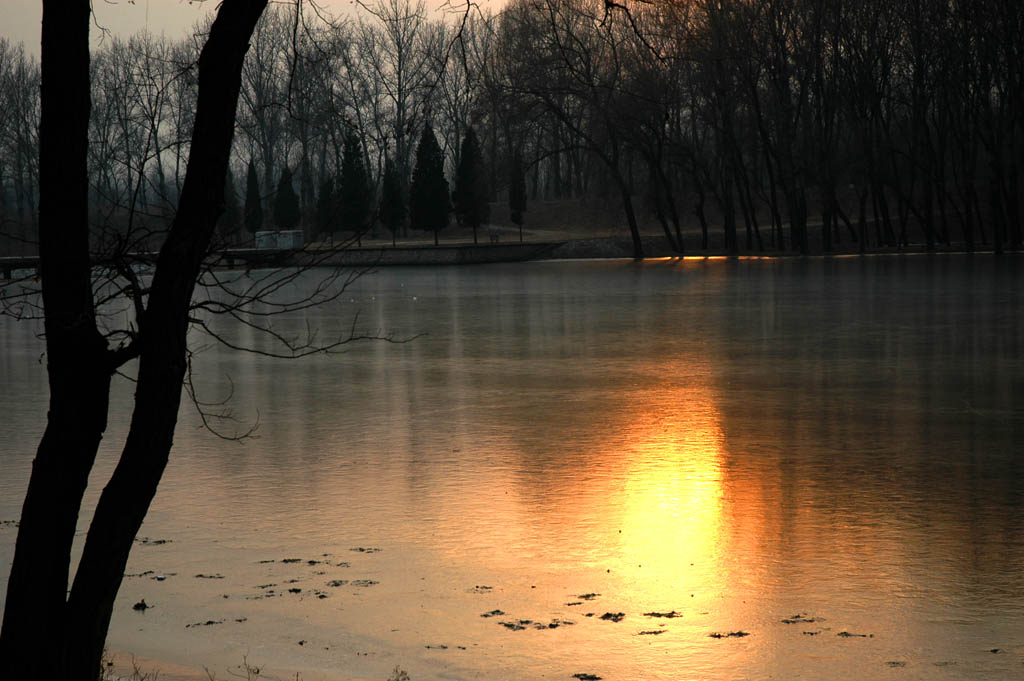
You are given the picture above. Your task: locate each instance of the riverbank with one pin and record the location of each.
(658, 247)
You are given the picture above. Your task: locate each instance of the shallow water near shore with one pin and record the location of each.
(817, 460)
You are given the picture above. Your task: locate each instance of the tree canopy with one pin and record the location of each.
(326, 207)
(892, 123)
(470, 195)
(428, 196)
(392, 209)
(286, 203)
(517, 192)
(253, 203)
(354, 190)
(231, 220)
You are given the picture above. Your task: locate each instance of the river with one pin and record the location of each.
(678, 469)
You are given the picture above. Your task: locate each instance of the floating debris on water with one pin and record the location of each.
(653, 632)
(493, 613)
(847, 634)
(670, 614)
(801, 618)
(204, 576)
(366, 549)
(141, 606)
(587, 677)
(731, 634)
(363, 582)
(519, 625)
(613, 616)
(146, 541)
(896, 663)
(207, 623)
(337, 582)
(588, 597)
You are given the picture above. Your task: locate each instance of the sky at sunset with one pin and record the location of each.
(21, 18)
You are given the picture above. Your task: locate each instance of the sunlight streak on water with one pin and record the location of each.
(737, 443)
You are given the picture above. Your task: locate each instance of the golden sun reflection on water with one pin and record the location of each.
(671, 501)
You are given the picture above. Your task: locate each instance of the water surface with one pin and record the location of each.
(832, 442)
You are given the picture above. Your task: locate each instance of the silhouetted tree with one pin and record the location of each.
(253, 203)
(50, 632)
(517, 193)
(286, 203)
(231, 220)
(470, 195)
(354, 193)
(428, 195)
(392, 205)
(326, 207)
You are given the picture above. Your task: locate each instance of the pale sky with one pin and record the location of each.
(20, 19)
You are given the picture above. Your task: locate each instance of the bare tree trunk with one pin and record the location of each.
(33, 623)
(44, 636)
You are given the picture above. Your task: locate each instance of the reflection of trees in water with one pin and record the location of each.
(875, 400)
(827, 396)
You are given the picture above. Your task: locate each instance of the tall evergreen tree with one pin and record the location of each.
(253, 205)
(326, 208)
(392, 204)
(517, 193)
(470, 195)
(428, 194)
(354, 188)
(286, 203)
(230, 220)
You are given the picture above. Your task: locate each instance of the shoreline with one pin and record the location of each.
(546, 249)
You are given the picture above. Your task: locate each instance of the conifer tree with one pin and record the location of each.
(354, 188)
(428, 194)
(470, 195)
(517, 193)
(231, 218)
(253, 205)
(392, 205)
(286, 203)
(326, 208)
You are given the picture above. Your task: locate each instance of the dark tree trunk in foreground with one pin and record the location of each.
(46, 634)
(75, 353)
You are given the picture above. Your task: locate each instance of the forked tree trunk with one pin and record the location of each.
(47, 635)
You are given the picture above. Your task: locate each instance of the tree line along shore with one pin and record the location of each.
(735, 126)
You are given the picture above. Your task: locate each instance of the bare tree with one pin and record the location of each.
(48, 632)
(19, 144)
